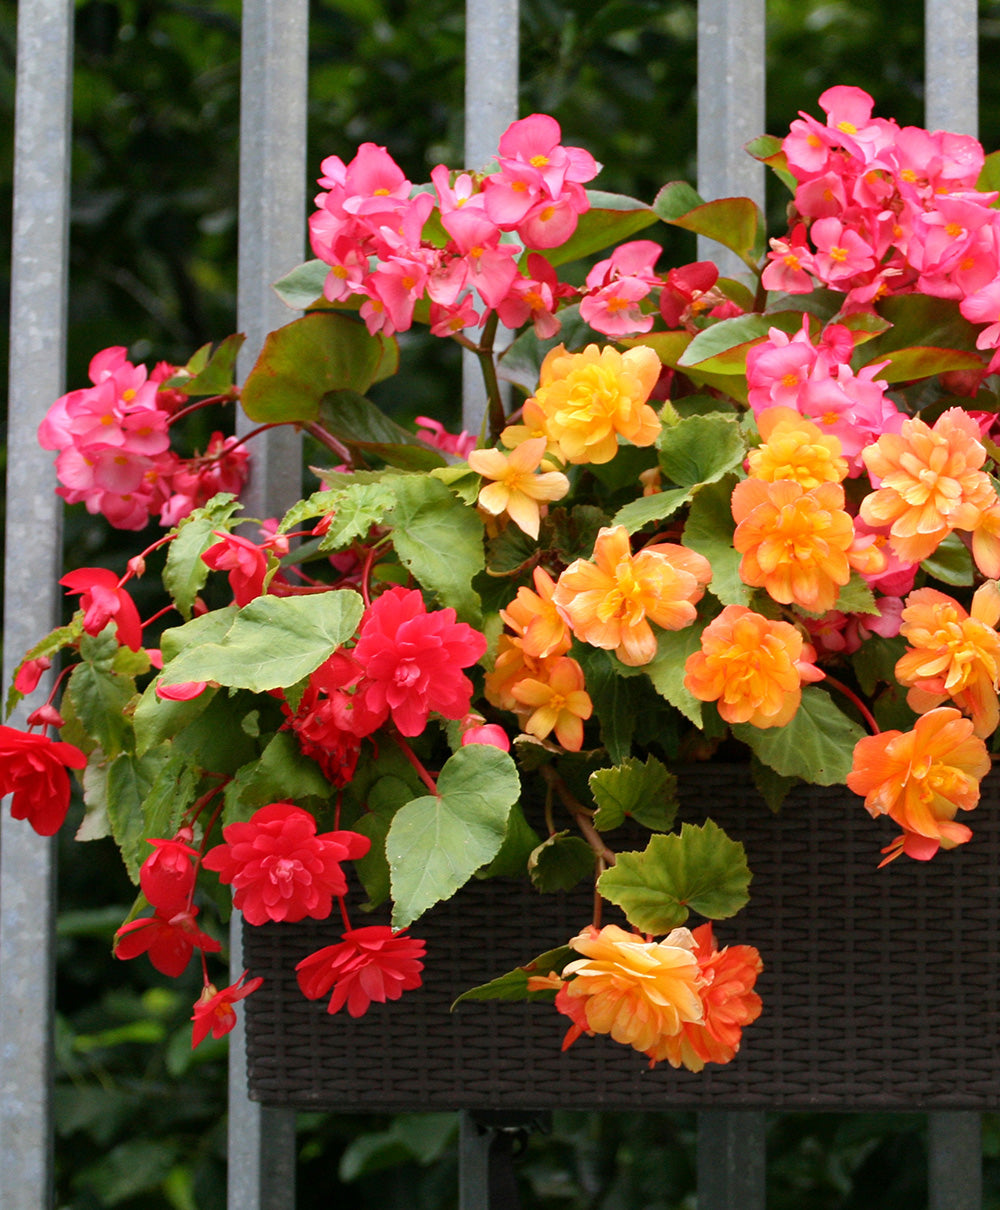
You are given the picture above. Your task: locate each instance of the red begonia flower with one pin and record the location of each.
(245, 562)
(167, 876)
(103, 601)
(413, 660)
(214, 1012)
(30, 673)
(279, 868)
(168, 940)
(371, 963)
(34, 769)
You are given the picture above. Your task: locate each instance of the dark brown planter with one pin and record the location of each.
(881, 988)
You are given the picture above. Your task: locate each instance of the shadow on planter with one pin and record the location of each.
(881, 988)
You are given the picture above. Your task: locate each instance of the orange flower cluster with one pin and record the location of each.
(680, 999)
(610, 602)
(752, 666)
(794, 448)
(586, 401)
(952, 654)
(930, 483)
(921, 778)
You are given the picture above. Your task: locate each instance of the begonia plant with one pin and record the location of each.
(749, 517)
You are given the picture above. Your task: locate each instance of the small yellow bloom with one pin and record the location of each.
(795, 448)
(518, 487)
(557, 701)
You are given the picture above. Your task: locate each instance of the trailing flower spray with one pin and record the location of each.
(751, 515)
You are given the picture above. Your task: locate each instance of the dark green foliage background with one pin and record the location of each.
(140, 1118)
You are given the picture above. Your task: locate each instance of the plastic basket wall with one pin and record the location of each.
(881, 988)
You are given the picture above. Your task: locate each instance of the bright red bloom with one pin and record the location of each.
(167, 876)
(245, 562)
(371, 963)
(168, 940)
(214, 1010)
(279, 868)
(34, 769)
(332, 719)
(30, 673)
(103, 601)
(413, 660)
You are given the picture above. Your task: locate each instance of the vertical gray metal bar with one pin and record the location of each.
(730, 108)
(731, 1160)
(951, 57)
(274, 82)
(37, 370)
(491, 73)
(473, 1163)
(955, 1161)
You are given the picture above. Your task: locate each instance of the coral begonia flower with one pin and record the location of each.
(730, 1003)
(557, 701)
(609, 603)
(518, 488)
(533, 616)
(921, 778)
(752, 666)
(103, 601)
(637, 991)
(279, 868)
(953, 654)
(214, 1012)
(34, 769)
(590, 399)
(371, 963)
(245, 562)
(929, 482)
(169, 941)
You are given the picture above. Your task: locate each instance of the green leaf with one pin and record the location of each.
(734, 222)
(211, 373)
(723, 346)
(158, 719)
(384, 799)
(273, 642)
(771, 786)
(54, 642)
(209, 627)
(185, 572)
(362, 427)
(856, 597)
(906, 365)
(519, 841)
(100, 695)
(699, 870)
(612, 218)
(95, 825)
(612, 695)
(307, 359)
(666, 672)
(816, 745)
(560, 862)
(571, 533)
(440, 540)
(215, 741)
(522, 361)
(173, 790)
(876, 660)
(918, 321)
(130, 780)
(282, 773)
(436, 843)
(649, 509)
(303, 287)
(634, 789)
(709, 530)
(514, 985)
(951, 563)
(354, 508)
(701, 449)
(767, 149)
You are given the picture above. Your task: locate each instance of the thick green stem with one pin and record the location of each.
(495, 412)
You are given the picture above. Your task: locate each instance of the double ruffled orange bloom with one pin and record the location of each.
(752, 666)
(609, 603)
(921, 779)
(930, 482)
(794, 448)
(799, 544)
(534, 617)
(952, 654)
(586, 401)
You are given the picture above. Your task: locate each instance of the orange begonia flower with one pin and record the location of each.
(512, 664)
(798, 545)
(637, 991)
(921, 778)
(518, 489)
(729, 1000)
(953, 654)
(609, 603)
(534, 617)
(795, 448)
(590, 399)
(986, 542)
(930, 482)
(752, 666)
(556, 700)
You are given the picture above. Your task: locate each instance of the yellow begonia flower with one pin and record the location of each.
(518, 487)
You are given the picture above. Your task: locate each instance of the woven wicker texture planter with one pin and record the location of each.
(881, 988)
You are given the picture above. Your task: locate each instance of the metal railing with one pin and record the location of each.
(273, 178)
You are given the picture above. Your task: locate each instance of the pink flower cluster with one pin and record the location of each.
(114, 447)
(889, 210)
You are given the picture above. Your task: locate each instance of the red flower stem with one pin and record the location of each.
(366, 574)
(229, 397)
(55, 684)
(261, 428)
(414, 760)
(343, 912)
(866, 714)
(598, 898)
(331, 442)
(159, 614)
(204, 965)
(582, 816)
(336, 810)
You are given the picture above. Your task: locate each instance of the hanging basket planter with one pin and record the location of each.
(881, 987)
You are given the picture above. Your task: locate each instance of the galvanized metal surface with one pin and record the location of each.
(955, 1161)
(273, 175)
(731, 1160)
(37, 368)
(730, 108)
(951, 57)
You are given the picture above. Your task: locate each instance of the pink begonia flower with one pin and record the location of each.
(436, 435)
(168, 940)
(413, 659)
(167, 876)
(279, 868)
(789, 263)
(535, 297)
(369, 964)
(245, 562)
(34, 769)
(214, 1012)
(103, 600)
(491, 734)
(450, 320)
